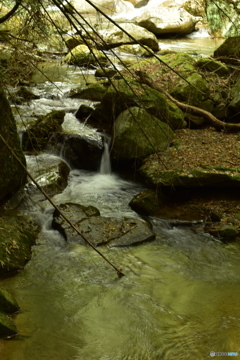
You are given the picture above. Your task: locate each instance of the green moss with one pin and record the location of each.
(81, 55)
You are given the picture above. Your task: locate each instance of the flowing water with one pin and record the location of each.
(178, 300)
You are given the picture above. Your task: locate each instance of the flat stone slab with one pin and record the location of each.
(101, 230)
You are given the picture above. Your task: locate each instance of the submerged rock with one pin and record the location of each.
(50, 172)
(7, 326)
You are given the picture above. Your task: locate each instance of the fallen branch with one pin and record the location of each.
(119, 271)
(143, 78)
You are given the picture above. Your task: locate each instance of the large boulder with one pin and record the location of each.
(114, 36)
(166, 20)
(138, 134)
(99, 230)
(12, 175)
(79, 151)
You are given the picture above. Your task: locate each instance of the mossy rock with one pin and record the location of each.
(22, 95)
(82, 55)
(7, 326)
(145, 203)
(105, 72)
(12, 175)
(17, 235)
(138, 134)
(213, 66)
(8, 303)
(186, 91)
(37, 136)
(125, 93)
(94, 92)
(193, 178)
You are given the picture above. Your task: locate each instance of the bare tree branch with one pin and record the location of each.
(11, 12)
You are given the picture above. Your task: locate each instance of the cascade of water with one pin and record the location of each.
(105, 166)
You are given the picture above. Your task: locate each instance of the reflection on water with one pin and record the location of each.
(174, 302)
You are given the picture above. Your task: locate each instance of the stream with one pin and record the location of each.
(178, 300)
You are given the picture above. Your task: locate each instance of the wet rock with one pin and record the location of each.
(75, 213)
(225, 232)
(23, 94)
(83, 112)
(17, 236)
(79, 151)
(101, 230)
(37, 136)
(50, 172)
(145, 203)
(94, 92)
(7, 326)
(8, 303)
(138, 134)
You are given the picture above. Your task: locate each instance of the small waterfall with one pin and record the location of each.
(105, 166)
